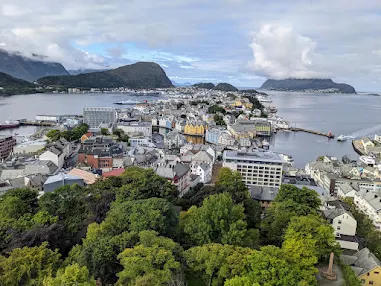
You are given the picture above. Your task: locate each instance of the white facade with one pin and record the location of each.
(50, 118)
(140, 141)
(29, 147)
(144, 128)
(345, 224)
(58, 160)
(256, 168)
(95, 116)
(369, 202)
(205, 173)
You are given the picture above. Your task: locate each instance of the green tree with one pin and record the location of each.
(269, 267)
(53, 134)
(68, 203)
(214, 263)
(231, 182)
(104, 131)
(71, 275)
(312, 227)
(218, 220)
(301, 202)
(28, 266)
(150, 214)
(153, 261)
(139, 183)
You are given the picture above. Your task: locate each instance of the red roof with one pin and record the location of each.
(113, 173)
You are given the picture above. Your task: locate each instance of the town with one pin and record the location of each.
(186, 137)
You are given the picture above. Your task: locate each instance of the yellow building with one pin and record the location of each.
(372, 277)
(195, 129)
(243, 102)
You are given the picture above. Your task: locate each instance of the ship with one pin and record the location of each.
(9, 124)
(273, 109)
(128, 102)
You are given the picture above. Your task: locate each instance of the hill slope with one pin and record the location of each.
(28, 69)
(138, 75)
(225, 87)
(7, 81)
(207, 85)
(317, 85)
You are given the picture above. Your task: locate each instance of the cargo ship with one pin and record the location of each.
(9, 124)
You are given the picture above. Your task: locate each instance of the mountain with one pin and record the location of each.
(28, 69)
(138, 75)
(225, 87)
(77, 72)
(207, 85)
(7, 81)
(308, 85)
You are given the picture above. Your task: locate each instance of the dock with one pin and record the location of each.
(328, 135)
(36, 123)
(358, 147)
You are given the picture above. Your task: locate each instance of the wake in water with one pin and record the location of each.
(365, 132)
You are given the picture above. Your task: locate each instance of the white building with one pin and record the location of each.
(343, 223)
(48, 118)
(174, 139)
(96, 116)
(29, 147)
(369, 202)
(57, 153)
(257, 168)
(346, 191)
(204, 171)
(141, 141)
(144, 128)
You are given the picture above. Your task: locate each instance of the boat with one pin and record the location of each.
(342, 138)
(128, 102)
(264, 99)
(273, 109)
(9, 124)
(287, 159)
(265, 144)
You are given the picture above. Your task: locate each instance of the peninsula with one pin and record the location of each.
(307, 85)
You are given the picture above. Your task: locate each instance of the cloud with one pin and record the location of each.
(279, 52)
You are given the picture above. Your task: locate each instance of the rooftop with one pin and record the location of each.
(253, 156)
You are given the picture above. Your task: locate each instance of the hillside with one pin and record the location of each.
(28, 69)
(138, 75)
(7, 81)
(308, 85)
(225, 87)
(206, 85)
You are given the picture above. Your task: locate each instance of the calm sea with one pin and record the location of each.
(357, 115)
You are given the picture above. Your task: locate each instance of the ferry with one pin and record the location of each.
(264, 99)
(9, 124)
(287, 159)
(128, 102)
(343, 138)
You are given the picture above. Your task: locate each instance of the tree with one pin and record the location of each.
(104, 131)
(150, 214)
(214, 263)
(312, 227)
(139, 183)
(269, 267)
(71, 275)
(218, 220)
(53, 134)
(231, 182)
(68, 203)
(290, 201)
(153, 261)
(28, 266)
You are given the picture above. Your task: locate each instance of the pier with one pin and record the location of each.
(328, 135)
(36, 123)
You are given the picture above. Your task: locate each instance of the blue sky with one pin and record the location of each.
(243, 42)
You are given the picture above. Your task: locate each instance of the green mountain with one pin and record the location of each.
(225, 87)
(138, 75)
(308, 85)
(7, 81)
(207, 85)
(28, 69)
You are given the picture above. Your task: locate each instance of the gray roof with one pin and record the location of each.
(257, 156)
(263, 193)
(362, 261)
(346, 188)
(61, 177)
(202, 156)
(181, 169)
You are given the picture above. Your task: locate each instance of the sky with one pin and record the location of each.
(242, 42)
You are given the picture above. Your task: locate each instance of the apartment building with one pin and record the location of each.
(143, 128)
(369, 202)
(96, 116)
(6, 145)
(257, 168)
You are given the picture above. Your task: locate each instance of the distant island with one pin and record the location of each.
(29, 69)
(137, 76)
(221, 86)
(206, 85)
(307, 85)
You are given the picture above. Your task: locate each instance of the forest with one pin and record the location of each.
(134, 230)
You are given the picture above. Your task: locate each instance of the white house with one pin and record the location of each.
(343, 223)
(369, 202)
(57, 153)
(205, 173)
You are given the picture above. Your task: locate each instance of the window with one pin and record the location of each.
(338, 228)
(368, 274)
(370, 282)
(376, 272)
(339, 222)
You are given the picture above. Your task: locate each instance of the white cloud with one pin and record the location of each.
(279, 52)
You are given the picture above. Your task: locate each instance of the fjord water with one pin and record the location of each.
(358, 115)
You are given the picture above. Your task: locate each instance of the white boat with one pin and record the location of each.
(127, 102)
(264, 99)
(287, 159)
(265, 144)
(342, 138)
(367, 160)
